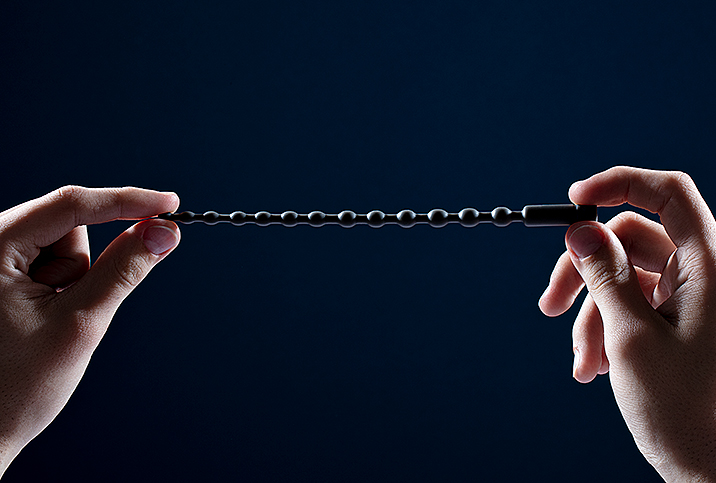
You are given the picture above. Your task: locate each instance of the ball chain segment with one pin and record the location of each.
(530, 215)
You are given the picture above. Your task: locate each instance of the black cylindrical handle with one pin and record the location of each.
(557, 215)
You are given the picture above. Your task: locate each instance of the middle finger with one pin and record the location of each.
(646, 243)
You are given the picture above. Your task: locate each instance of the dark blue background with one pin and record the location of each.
(275, 354)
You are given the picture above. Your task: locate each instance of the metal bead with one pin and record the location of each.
(289, 218)
(211, 218)
(438, 218)
(469, 217)
(406, 218)
(186, 217)
(316, 218)
(501, 216)
(347, 219)
(376, 218)
(262, 218)
(238, 218)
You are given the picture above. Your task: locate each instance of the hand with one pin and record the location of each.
(54, 308)
(650, 316)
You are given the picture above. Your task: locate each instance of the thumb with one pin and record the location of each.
(598, 255)
(123, 265)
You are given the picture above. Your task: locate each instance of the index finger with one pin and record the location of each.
(672, 194)
(41, 222)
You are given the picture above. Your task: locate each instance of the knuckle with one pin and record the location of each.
(89, 204)
(620, 170)
(70, 198)
(605, 278)
(623, 224)
(683, 179)
(623, 219)
(679, 188)
(130, 272)
(679, 182)
(70, 194)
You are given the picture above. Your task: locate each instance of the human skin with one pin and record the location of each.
(54, 306)
(650, 316)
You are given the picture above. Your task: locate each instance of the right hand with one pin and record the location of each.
(650, 316)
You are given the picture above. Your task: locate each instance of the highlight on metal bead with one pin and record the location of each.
(531, 215)
(438, 218)
(263, 218)
(469, 217)
(376, 218)
(501, 216)
(406, 218)
(347, 219)
(237, 218)
(315, 218)
(289, 218)
(211, 217)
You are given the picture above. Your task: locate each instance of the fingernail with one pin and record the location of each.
(158, 239)
(586, 240)
(575, 366)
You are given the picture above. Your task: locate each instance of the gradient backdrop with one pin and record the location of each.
(311, 355)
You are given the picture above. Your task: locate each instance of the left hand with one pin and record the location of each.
(54, 307)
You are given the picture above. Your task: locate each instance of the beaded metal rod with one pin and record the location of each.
(531, 215)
